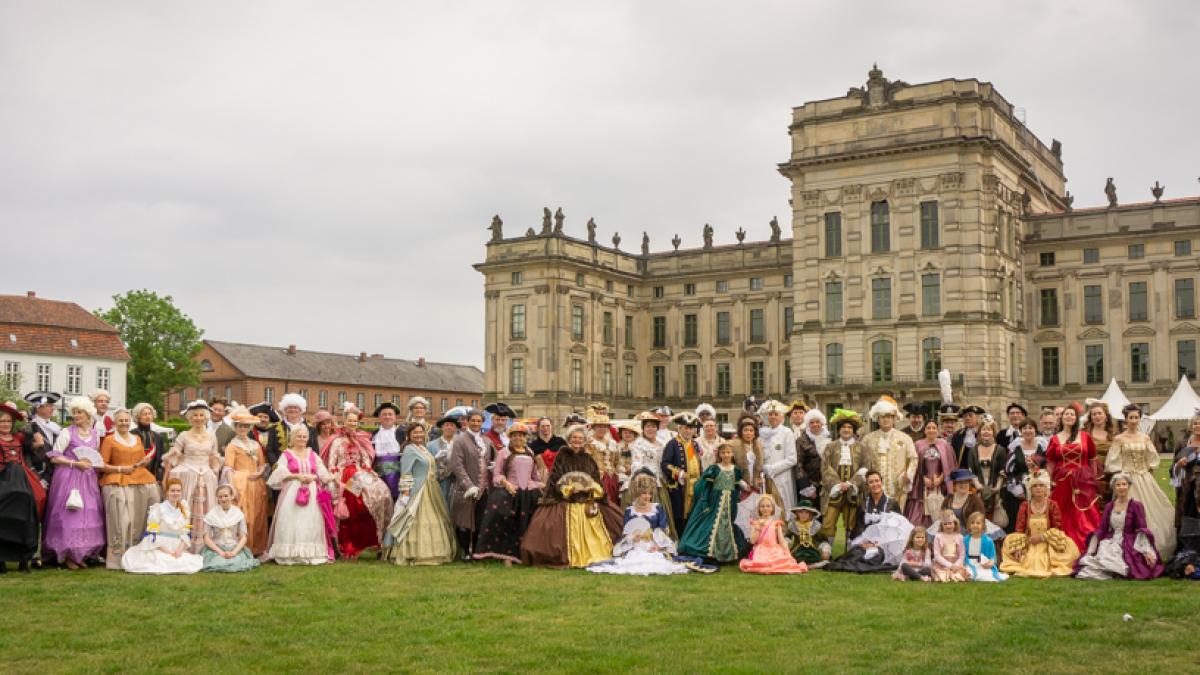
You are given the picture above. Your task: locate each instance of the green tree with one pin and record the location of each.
(162, 342)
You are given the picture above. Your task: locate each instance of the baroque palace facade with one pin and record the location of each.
(930, 229)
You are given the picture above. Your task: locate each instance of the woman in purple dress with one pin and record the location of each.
(1123, 546)
(935, 461)
(74, 529)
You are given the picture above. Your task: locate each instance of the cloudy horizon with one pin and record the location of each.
(324, 175)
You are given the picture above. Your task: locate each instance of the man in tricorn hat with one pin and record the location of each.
(498, 434)
(1016, 414)
(918, 414)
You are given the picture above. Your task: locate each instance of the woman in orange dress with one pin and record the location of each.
(1069, 459)
(245, 471)
(127, 486)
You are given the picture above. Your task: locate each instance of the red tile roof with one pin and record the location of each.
(33, 325)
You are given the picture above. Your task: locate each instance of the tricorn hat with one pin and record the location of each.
(388, 405)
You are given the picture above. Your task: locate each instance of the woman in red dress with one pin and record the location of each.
(365, 503)
(1070, 459)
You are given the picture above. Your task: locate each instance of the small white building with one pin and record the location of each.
(51, 345)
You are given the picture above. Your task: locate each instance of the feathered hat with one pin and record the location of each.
(842, 416)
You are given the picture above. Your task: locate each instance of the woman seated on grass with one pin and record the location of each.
(1123, 546)
(164, 549)
(225, 535)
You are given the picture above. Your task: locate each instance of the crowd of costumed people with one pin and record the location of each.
(956, 494)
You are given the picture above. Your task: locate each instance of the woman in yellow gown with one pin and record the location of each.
(1038, 548)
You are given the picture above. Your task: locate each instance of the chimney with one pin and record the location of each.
(377, 356)
(421, 362)
(291, 350)
(362, 357)
(30, 294)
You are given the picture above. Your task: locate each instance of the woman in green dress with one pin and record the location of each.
(711, 532)
(420, 532)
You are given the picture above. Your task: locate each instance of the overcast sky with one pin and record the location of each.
(323, 173)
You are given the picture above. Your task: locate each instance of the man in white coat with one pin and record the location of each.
(779, 452)
(890, 451)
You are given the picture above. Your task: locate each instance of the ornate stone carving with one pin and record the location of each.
(545, 220)
(708, 236)
(879, 195)
(1110, 191)
(904, 186)
(741, 235)
(1056, 148)
(675, 242)
(562, 290)
(951, 180)
(491, 295)
(775, 231)
(851, 192)
(1157, 191)
(541, 289)
(591, 230)
(1069, 201)
(616, 240)
(991, 182)
(645, 244)
(811, 198)
(530, 233)
(497, 228)
(558, 221)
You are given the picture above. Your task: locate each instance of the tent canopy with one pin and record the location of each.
(1182, 405)
(1115, 398)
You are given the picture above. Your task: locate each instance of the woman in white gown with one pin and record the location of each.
(644, 547)
(1133, 453)
(301, 533)
(164, 549)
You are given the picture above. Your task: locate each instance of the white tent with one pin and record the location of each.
(1115, 398)
(1181, 406)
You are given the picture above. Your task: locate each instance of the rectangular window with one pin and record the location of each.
(758, 330)
(629, 290)
(458, 402)
(722, 286)
(1093, 304)
(378, 400)
(576, 376)
(628, 332)
(931, 357)
(658, 291)
(608, 379)
(689, 289)
(269, 395)
(43, 377)
(833, 235)
(1138, 307)
(360, 400)
(577, 323)
(881, 298)
(1046, 259)
(396, 399)
(1185, 356)
(881, 228)
(758, 378)
(608, 286)
(516, 376)
(787, 281)
(691, 382)
(1137, 251)
(1183, 248)
(341, 398)
(445, 404)
(881, 362)
(517, 323)
(1050, 366)
(833, 301)
(1139, 362)
(833, 363)
(517, 277)
(1049, 305)
(723, 330)
(660, 381)
(691, 330)
(724, 380)
(104, 379)
(660, 332)
(756, 283)
(931, 294)
(579, 279)
(628, 380)
(788, 322)
(12, 375)
(1094, 364)
(1091, 255)
(930, 234)
(323, 399)
(228, 393)
(608, 328)
(1185, 298)
(74, 379)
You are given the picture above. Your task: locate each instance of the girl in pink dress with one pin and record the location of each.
(770, 554)
(1070, 459)
(949, 553)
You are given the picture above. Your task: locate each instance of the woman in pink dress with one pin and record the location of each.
(1070, 457)
(365, 506)
(935, 462)
(770, 554)
(195, 462)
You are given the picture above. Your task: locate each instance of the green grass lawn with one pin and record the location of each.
(368, 616)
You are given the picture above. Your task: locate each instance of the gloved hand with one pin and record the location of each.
(471, 493)
(809, 492)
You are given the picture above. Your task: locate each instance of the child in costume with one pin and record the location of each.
(949, 553)
(808, 546)
(225, 536)
(917, 562)
(981, 552)
(769, 555)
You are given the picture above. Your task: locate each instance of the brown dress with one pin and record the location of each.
(545, 543)
(240, 464)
